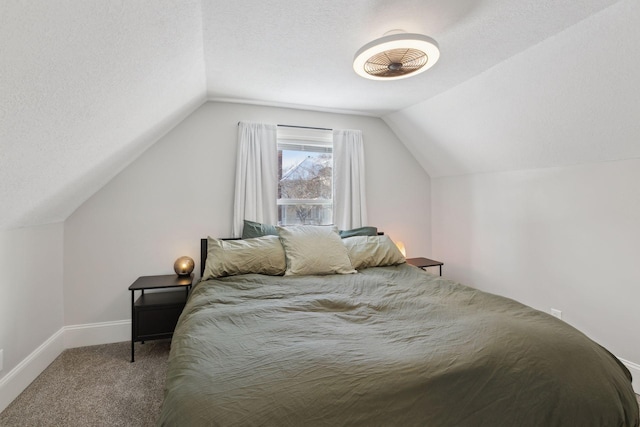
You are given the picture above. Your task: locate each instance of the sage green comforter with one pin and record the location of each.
(389, 346)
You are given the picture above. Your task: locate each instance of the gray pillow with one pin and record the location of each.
(311, 250)
(362, 231)
(372, 251)
(260, 255)
(252, 229)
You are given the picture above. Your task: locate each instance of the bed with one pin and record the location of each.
(388, 345)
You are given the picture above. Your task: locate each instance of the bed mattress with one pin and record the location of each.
(387, 346)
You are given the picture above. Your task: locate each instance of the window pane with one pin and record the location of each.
(299, 214)
(305, 175)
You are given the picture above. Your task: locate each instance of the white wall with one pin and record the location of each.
(535, 168)
(181, 189)
(567, 238)
(31, 308)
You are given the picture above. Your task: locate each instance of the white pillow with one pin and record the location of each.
(312, 249)
(261, 255)
(372, 251)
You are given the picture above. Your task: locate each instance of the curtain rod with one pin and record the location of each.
(299, 127)
(303, 127)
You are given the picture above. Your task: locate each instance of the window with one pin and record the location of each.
(305, 176)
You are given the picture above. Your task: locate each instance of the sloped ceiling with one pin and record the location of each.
(85, 87)
(572, 99)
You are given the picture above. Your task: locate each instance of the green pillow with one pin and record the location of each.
(362, 231)
(262, 255)
(372, 251)
(314, 250)
(255, 229)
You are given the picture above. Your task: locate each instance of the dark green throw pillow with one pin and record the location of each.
(256, 229)
(362, 231)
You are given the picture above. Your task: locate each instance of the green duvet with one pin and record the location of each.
(389, 346)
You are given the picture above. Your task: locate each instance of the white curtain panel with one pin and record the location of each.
(349, 202)
(256, 175)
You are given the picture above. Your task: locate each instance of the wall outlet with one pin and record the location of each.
(556, 313)
(1, 360)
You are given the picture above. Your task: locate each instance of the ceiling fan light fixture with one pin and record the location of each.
(396, 56)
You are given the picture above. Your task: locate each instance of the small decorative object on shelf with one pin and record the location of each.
(183, 266)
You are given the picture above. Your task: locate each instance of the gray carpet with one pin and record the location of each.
(95, 386)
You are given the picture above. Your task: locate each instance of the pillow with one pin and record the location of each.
(372, 251)
(252, 229)
(362, 231)
(261, 255)
(312, 249)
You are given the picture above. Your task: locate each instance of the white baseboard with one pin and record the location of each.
(97, 333)
(634, 368)
(12, 384)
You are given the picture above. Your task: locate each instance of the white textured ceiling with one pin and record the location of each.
(86, 86)
(572, 99)
(301, 51)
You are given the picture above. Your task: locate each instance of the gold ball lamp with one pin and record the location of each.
(183, 266)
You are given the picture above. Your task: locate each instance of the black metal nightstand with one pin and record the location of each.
(154, 315)
(425, 262)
